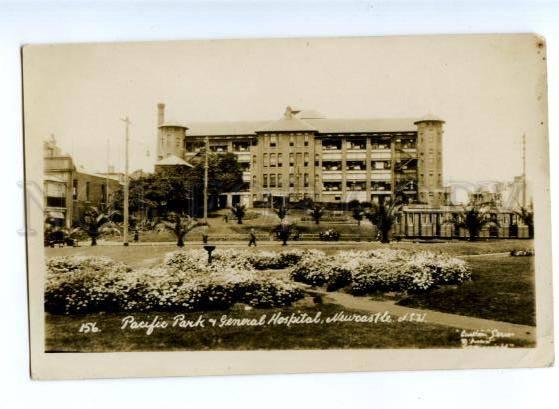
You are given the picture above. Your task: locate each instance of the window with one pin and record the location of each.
(265, 180)
(331, 165)
(331, 144)
(291, 140)
(332, 186)
(356, 185)
(355, 165)
(306, 180)
(273, 159)
(55, 194)
(273, 141)
(357, 144)
(272, 180)
(75, 189)
(265, 159)
(381, 143)
(291, 180)
(381, 164)
(291, 159)
(306, 140)
(254, 159)
(306, 159)
(280, 160)
(280, 181)
(253, 180)
(241, 146)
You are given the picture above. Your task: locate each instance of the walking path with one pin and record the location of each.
(524, 332)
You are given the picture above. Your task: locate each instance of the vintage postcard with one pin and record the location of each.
(287, 205)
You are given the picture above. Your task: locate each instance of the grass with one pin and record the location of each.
(146, 255)
(62, 334)
(502, 289)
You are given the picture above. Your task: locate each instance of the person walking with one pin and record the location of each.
(252, 238)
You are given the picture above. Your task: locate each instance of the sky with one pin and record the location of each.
(490, 90)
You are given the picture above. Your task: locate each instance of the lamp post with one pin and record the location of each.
(126, 121)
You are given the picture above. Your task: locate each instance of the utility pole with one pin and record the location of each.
(524, 170)
(206, 181)
(126, 182)
(108, 175)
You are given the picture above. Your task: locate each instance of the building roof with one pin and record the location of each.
(428, 118)
(304, 120)
(172, 160)
(224, 128)
(290, 124)
(175, 124)
(363, 125)
(309, 114)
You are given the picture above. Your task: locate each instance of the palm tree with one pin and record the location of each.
(527, 217)
(281, 212)
(180, 226)
(316, 213)
(474, 219)
(358, 214)
(383, 218)
(92, 222)
(239, 212)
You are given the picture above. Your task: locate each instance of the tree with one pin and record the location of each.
(474, 219)
(383, 218)
(357, 214)
(283, 232)
(92, 222)
(179, 225)
(281, 212)
(316, 212)
(179, 189)
(527, 217)
(238, 211)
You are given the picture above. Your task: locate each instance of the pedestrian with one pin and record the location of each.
(252, 236)
(226, 218)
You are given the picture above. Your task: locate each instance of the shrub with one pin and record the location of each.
(381, 270)
(329, 235)
(183, 283)
(522, 253)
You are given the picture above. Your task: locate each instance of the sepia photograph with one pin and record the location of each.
(374, 197)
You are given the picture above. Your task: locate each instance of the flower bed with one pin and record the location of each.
(183, 283)
(381, 270)
(522, 253)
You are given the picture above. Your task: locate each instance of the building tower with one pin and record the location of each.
(170, 136)
(430, 161)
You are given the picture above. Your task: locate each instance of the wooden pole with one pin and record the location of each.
(206, 181)
(126, 181)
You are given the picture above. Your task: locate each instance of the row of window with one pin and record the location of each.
(356, 186)
(56, 192)
(271, 141)
(273, 180)
(356, 165)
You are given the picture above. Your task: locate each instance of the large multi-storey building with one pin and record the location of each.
(304, 155)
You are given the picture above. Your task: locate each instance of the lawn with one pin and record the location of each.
(62, 333)
(502, 289)
(146, 255)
